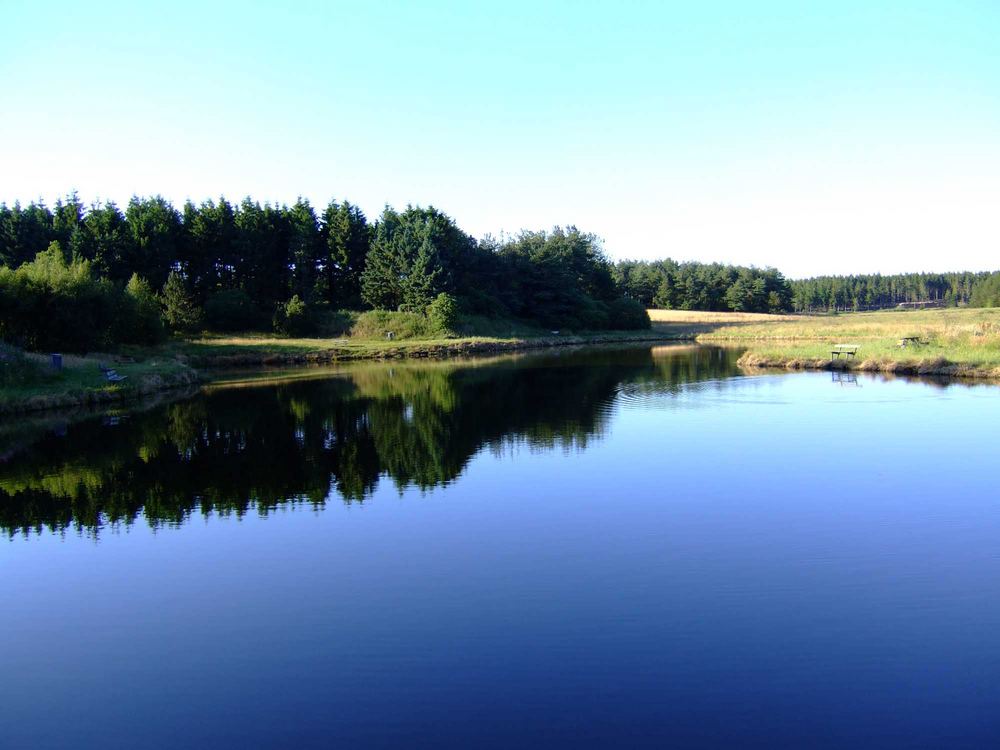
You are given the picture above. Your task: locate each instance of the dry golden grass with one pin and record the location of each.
(968, 336)
(700, 316)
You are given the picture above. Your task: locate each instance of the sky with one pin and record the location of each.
(816, 137)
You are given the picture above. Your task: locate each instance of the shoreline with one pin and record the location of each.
(183, 365)
(415, 350)
(935, 366)
(91, 397)
(196, 369)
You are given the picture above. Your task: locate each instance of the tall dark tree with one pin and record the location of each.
(304, 251)
(208, 253)
(156, 233)
(103, 237)
(66, 219)
(24, 232)
(346, 238)
(261, 251)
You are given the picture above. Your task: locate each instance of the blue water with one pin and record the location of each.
(635, 547)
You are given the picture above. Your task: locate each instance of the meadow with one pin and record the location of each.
(949, 341)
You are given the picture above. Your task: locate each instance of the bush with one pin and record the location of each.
(294, 318)
(443, 313)
(628, 315)
(590, 314)
(232, 310)
(403, 325)
(15, 368)
(49, 304)
(140, 319)
(332, 323)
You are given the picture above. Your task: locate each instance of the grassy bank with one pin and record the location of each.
(182, 362)
(249, 350)
(953, 342)
(81, 381)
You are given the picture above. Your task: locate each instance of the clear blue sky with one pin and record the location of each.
(816, 137)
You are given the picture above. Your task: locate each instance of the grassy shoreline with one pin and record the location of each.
(959, 343)
(185, 363)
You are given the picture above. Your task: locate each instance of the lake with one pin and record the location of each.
(637, 546)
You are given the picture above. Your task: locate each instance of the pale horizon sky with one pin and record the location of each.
(847, 137)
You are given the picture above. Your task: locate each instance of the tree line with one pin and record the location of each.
(253, 266)
(667, 284)
(875, 291)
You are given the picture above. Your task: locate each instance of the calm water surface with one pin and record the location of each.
(633, 546)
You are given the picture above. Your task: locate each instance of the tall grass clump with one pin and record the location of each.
(375, 324)
(15, 368)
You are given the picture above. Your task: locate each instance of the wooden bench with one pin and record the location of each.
(847, 351)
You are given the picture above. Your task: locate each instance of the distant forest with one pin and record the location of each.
(874, 291)
(667, 284)
(97, 275)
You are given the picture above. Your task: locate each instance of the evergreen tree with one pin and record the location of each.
(304, 253)
(142, 320)
(345, 237)
(155, 231)
(179, 307)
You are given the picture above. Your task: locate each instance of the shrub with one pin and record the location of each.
(15, 368)
(51, 304)
(232, 310)
(294, 318)
(443, 313)
(628, 315)
(403, 325)
(332, 323)
(140, 319)
(590, 314)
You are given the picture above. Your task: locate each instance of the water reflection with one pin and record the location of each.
(233, 449)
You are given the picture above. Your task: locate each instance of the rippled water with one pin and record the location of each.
(634, 546)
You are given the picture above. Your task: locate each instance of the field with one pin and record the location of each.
(950, 341)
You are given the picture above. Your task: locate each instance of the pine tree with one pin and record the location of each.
(179, 308)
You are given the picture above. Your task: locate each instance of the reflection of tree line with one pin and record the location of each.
(237, 449)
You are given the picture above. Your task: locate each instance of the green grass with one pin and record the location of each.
(81, 381)
(969, 337)
(366, 337)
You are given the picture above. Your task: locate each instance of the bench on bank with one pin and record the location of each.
(112, 376)
(844, 351)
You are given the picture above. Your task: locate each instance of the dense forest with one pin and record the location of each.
(667, 284)
(104, 272)
(874, 291)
